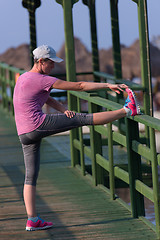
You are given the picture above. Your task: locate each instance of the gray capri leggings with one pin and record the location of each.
(53, 123)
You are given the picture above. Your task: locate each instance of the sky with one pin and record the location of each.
(14, 23)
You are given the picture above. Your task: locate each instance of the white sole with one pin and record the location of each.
(38, 228)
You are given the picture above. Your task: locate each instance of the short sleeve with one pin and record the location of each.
(47, 82)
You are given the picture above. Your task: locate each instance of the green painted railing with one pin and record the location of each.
(8, 76)
(138, 152)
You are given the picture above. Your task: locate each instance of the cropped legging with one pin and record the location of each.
(53, 123)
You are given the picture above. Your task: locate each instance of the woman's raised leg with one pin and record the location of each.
(101, 118)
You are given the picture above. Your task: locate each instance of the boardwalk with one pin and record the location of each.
(78, 209)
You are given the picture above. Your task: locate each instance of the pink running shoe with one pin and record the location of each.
(38, 225)
(131, 103)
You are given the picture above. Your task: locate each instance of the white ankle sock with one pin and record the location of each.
(128, 111)
(33, 219)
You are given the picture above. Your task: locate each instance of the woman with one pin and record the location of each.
(31, 92)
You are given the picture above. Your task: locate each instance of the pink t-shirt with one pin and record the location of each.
(30, 93)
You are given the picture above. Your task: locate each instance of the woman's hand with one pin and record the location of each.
(117, 87)
(69, 113)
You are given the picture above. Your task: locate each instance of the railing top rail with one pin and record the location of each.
(110, 105)
(9, 67)
(14, 69)
(144, 119)
(99, 74)
(134, 86)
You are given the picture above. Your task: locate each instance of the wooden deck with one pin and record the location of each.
(78, 209)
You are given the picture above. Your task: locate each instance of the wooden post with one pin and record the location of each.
(82, 160)
(31, 6)
(70, 69)
(93, 28)
(155, 179)
(145, 56)
(145, 60)
(134, 169)
(94, 42)
(116, 48)
(96, 147)
(111, 163)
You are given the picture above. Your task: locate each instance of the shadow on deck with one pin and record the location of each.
(78, 209)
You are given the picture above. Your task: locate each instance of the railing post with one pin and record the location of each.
(31, 6)
(94, 42)
(1, 69)
(145, 56)
(70, 68)
(116, 49)
(4, 88)
(145, 60)
(93, 29)
(155, 180)
(116, 39)
(96, 147)
(134, 168)
(11, 85)
(111, 163)
(81, 141)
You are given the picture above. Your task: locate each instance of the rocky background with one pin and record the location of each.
(131, 68)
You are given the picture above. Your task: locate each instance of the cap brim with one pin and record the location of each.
(56, 59)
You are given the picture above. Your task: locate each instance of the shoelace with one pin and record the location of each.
(41, 219)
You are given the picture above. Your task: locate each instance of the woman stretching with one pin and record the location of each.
(30, 94)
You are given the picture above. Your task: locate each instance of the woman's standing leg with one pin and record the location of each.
(32, 162)
(29, 194)
(31, 151)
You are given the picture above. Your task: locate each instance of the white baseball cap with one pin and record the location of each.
(46, 51)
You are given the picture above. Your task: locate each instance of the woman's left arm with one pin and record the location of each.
(59, 107)
(55, 104)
